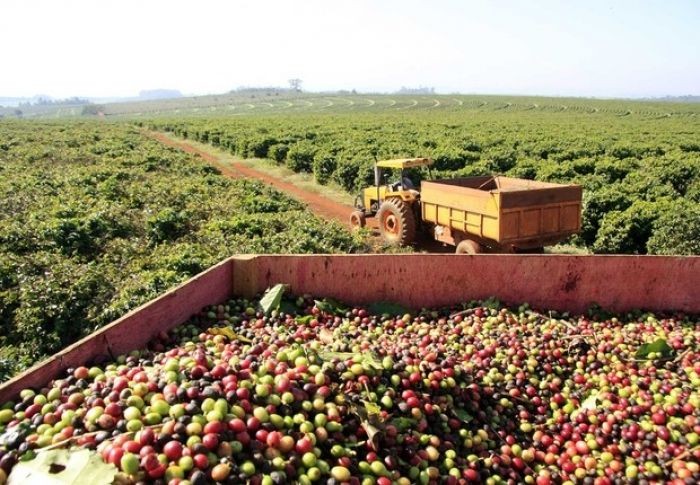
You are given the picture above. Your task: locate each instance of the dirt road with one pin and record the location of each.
(318, 204)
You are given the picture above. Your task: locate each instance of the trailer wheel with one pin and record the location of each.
(397, 224)
(468, 246)
(357, 219)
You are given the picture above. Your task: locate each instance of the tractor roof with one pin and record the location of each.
(405, 163)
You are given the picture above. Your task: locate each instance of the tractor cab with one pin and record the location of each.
(391, 179)
(393, 190)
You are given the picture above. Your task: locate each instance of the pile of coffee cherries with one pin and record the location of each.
(325, 394)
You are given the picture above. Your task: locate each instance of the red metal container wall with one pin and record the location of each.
(557, 282)
(561, 282)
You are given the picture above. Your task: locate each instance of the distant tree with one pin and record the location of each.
(93, 109)
(295, 84)
(18, 113)
(418, 90)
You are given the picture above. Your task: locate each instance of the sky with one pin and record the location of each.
(104, 48)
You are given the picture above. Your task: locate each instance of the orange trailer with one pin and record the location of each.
(500, 214)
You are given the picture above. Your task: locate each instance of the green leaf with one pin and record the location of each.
(272, 298)
(658, 346)
(305, 320)
(63, 467)
(492, 303)
(387, 308)
(403, 424)
(329, 305)
(372, 408)
(29, 455)
(372, 361)
(328, 356)
(463, 415)
(591, 402)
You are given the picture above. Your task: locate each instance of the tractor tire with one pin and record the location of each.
(397, 223)
(468, 246)
(357, 219)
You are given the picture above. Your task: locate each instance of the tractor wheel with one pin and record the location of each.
(467, 246)
(357, 219)
(397, 224)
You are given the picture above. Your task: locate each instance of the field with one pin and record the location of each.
(96, 219)
(263, 102)
(639, 162)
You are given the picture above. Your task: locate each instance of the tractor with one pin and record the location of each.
(392, 200)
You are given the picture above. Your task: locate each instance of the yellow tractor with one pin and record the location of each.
(392, 200)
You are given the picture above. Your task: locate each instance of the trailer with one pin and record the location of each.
(500, 214)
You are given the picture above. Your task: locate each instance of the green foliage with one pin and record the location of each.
(677, 230)
(324, 166)
(98, 219)
(502, 160)
(525, 170)
(53, 295)
(659, 347)
(621, 152)
(82, 235)
(278, 152)
(450, 158)
(166, 225)
(693, 192)
(257, 147)
(627, 231)
(272, 298)
(597, 203)
(92, 109)
(300, 156)
(614, 170)
(345, 174)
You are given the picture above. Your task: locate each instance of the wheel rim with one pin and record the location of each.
(355, 220)
(468, 247)
(391, 224)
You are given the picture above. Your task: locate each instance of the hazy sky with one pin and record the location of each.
(583, 48)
